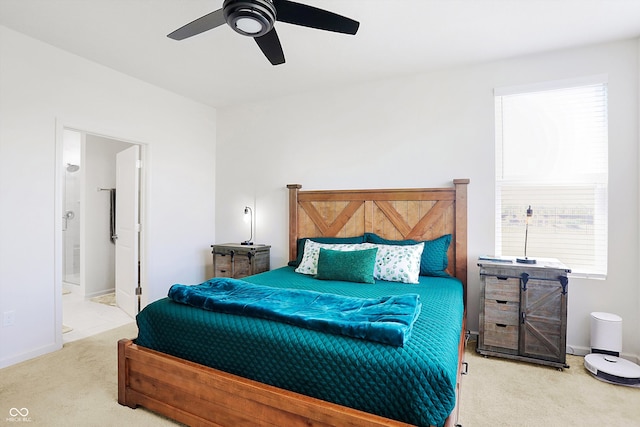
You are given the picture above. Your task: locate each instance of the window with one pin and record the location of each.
(551, 154)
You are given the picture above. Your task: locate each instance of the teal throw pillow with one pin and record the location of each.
(348, 266)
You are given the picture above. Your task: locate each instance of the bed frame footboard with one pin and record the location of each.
(200, 396)
(196, 395)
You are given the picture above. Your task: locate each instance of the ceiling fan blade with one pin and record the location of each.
(309, 16)
(200, 25)
(270, 45)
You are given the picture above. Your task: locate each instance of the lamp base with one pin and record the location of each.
(526, 260)
(247, 243)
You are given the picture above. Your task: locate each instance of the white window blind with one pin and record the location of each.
(551, 153)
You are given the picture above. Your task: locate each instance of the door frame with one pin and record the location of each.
(92, 129)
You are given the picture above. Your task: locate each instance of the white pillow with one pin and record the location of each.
(395, 263)
(309, 262)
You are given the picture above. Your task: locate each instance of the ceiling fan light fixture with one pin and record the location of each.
(253, 18)
(248, 25)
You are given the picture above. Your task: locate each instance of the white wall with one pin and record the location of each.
(425, 130)
(43, 88)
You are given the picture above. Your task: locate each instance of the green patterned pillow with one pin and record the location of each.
(434, 259)
(348, 266)
(309, 263)
(395, 263)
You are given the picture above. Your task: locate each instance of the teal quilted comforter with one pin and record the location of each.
(414, 383)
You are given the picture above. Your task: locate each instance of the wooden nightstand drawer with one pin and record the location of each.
(500, 335)
(222, 264)
(502, 289)
(501, 313)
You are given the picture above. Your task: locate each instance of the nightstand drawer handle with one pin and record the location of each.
(499, 301)
(501, 325)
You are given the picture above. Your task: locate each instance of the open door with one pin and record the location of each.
(127, 230)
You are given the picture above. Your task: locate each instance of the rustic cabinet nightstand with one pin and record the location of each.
(523, 310)
(237, 261)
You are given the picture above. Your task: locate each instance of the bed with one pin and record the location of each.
(164, 375)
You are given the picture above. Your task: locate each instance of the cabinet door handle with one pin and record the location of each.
(524, 317)
(564, 281)
(525, 278)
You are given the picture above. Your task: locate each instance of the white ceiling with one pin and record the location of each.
(396, 37)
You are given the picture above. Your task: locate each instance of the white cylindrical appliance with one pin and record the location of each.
(605, 362)
(606, 333)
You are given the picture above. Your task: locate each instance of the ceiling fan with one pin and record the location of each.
(256, 18)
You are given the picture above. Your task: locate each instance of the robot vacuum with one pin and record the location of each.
(613, 369)
(604, 362)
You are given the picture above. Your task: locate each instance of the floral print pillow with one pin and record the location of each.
(398, 263)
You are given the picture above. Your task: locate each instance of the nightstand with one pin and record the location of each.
(523, 310)
(237, 261)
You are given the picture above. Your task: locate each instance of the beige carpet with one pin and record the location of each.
(501, 392)
(77, 386)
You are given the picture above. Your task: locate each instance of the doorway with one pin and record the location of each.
(89, 271)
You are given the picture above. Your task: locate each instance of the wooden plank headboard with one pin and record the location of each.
(415, 213)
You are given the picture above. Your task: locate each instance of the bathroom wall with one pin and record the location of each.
(72, 178)
(98, 250)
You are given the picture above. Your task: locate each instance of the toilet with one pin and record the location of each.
(605, 362)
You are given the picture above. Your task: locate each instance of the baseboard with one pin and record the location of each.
(577, 350)
(583, 351)
(4, 363)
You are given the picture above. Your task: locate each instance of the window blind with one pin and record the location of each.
(551, 154)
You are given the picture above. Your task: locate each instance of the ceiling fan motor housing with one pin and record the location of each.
(253, 18)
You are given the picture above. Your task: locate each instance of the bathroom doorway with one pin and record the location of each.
(89, 199)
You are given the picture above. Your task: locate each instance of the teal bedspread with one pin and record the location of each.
(414, 383)
(387, 319)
